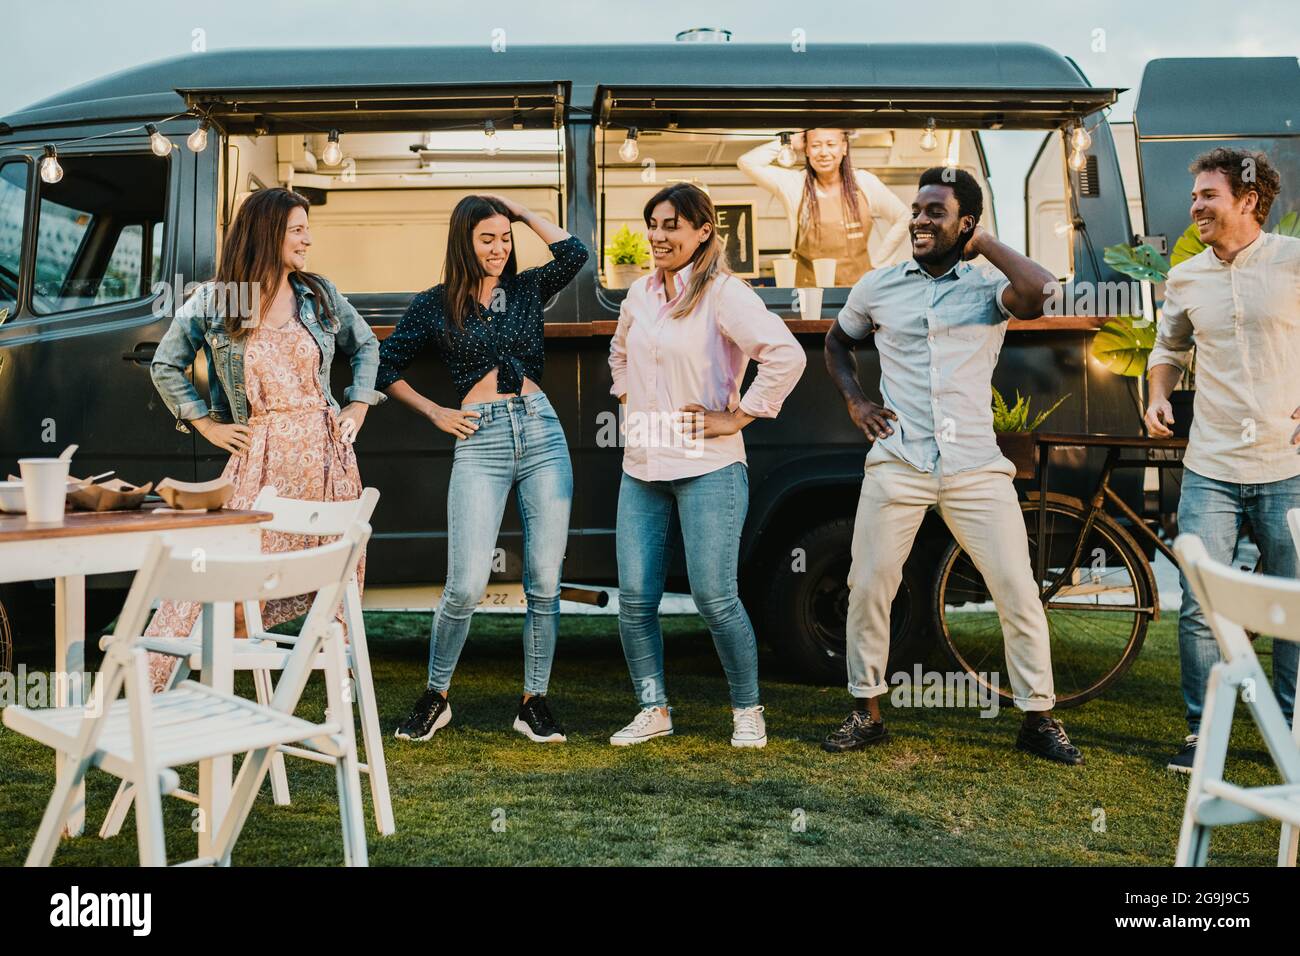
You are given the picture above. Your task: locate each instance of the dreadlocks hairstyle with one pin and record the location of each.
(810, 216)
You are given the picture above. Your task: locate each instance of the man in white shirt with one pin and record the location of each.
(1238, 302)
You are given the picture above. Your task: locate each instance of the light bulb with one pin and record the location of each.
(786, 157)
(1079, 138)
(198, 140)
(629, 151)
(51, 171)
(159, 143)
(490, 143)
(928, 139)
(1078, 160)
(332, 154)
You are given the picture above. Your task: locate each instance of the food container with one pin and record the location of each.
(195, 496)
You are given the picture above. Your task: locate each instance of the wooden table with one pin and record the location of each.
(105, 542)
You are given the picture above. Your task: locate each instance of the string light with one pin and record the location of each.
(786, 157)
(490, 142)
(159, 143)
(51, 171)
(332, 154)
(629, 151)
(1080, 140)
(198, 140)
(1078, 160)
(928, 139)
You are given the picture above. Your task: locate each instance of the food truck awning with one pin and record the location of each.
(667, 107)
(382, 108)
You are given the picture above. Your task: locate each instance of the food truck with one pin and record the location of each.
(384, 142)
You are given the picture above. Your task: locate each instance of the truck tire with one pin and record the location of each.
(806, 603)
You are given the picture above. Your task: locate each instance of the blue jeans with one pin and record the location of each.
(520, 444)
(711, 510)
(1214, 511)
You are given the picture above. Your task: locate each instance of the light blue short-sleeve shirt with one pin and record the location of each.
(938, 339)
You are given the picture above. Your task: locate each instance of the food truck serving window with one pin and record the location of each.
(762, 157)
(384, 168)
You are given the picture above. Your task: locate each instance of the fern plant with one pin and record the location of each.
(1015, 418)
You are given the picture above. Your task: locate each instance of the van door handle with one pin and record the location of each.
(142, 354)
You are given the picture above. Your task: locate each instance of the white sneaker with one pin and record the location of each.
(650, 723)
(748, 727)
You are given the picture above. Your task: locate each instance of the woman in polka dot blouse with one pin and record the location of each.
(485, 322)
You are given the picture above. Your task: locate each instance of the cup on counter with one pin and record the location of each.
(824, 272)
(45, 488)
(810, 303)
(784, 268)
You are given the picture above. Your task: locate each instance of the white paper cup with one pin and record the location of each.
(784, 267)
(824, 272)
(810, 303)
(45, 488)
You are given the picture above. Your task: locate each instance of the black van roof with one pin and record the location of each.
(150, 90)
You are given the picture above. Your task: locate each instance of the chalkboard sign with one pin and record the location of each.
(739, 230)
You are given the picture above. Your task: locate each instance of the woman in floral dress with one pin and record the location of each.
(272, 407)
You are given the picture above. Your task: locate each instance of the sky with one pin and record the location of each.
(53, 44)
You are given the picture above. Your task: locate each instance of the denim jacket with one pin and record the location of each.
(197, 326)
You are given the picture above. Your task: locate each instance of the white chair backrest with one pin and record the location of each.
(314, 517)
(1293, 519)
(1236, 601)
(189, 574)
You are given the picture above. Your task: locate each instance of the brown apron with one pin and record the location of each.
(838, 239)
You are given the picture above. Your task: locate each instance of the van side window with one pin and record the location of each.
(91, 246)
(13, 203)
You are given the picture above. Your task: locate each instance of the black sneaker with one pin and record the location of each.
(857, 731)
(1044, 736)
(1182, 761)
(431, 712)
(536, 723)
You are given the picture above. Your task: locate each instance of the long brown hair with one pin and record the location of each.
(710, 259)
(252, 252)
(811, 216)
(463, 273)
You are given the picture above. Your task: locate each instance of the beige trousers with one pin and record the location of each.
(981, 509)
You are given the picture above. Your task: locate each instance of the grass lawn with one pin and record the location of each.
(948, 789)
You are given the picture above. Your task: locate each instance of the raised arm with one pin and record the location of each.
(1031, 285)
(757, 164)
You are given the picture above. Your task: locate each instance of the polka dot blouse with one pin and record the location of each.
(506, 336)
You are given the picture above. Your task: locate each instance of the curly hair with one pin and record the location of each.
(1247, 171)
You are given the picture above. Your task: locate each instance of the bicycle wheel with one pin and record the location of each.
(1097, 605)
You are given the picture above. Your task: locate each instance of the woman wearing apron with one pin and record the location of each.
(832, 207)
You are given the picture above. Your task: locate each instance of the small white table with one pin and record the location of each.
(105, 542)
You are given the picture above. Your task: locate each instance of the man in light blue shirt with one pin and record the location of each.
(939, 322)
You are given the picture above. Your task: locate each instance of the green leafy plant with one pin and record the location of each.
(1289, 225)
(628, 248)
(1015, 418)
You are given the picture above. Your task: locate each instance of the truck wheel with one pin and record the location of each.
(807, 600)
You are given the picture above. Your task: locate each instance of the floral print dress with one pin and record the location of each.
(295, 445)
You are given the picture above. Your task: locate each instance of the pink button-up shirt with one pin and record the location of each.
(662, 364)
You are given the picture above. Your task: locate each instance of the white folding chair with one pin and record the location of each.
(263, 652)
(145, 736)
(1233, 602)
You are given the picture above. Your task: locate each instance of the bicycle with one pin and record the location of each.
(1096, 584)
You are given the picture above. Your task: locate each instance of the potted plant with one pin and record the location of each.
(628, 253)
(1014, 431)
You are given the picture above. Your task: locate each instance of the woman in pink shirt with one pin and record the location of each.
(685, 335)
